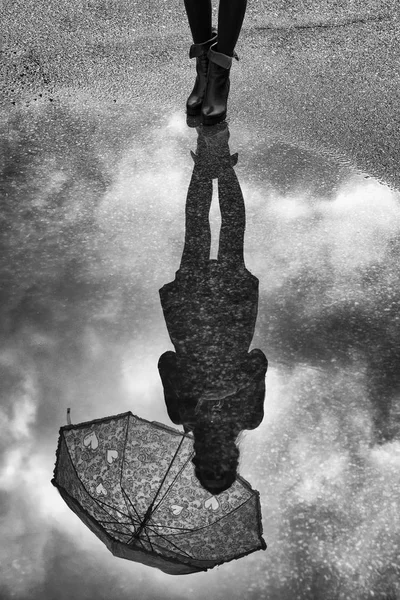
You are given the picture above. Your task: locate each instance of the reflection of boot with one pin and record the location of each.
(199, 51)
(212, 153)
(216, 97)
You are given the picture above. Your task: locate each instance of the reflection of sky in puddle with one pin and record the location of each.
(93, 230)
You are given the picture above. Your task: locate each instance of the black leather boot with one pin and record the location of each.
(215, 101)
(199, 51)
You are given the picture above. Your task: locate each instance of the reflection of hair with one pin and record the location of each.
(216, 454)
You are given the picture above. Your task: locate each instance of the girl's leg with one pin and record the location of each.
(233, 219)
(230, 18)
(199, 16)
(197, 247)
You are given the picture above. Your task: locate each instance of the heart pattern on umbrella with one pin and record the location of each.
(176, 510)
(211, 504)
(91, 441)
(101, 490)
(112, 455)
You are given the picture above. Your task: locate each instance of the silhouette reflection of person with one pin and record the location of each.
(213, 385)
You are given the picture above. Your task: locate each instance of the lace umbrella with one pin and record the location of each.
(133, 484)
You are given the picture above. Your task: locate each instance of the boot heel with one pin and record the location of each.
(194, 110)
(217, 117)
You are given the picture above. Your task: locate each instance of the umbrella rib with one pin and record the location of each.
(123, 452)
(114, 531)
(148, 540)
(108, 526)
(114, 521)
(153, 525)
(163, 549)
(223, 517)
(97, 501)
(140, 542)
(172, 544)
(136, 539)
(151, 528)
(203, 526)
(102, 504)
(152, 545)
(117, 522)
(109, 506)
(120, 532)
(126, 497)
(172, 483)
(150, 509)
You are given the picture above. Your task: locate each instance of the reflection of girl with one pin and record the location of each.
(212, 384)
(213, 53)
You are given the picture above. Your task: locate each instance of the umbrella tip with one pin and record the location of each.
(68, 416)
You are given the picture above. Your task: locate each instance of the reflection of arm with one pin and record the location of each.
(253, 407)
(168, 373)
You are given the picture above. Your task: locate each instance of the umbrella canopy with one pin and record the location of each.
(133, 484)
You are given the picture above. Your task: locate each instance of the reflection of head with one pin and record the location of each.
(216, 455)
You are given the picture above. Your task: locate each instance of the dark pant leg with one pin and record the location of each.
(197, 247)
(199, 14)
(230, 18)
(233, 220)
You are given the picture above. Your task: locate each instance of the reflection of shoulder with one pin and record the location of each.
(257, 353)
(257, 360)
(167, 361)
(167, 289)
(246, 274)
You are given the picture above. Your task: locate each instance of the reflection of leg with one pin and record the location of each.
(230, 18)
(197, 233)
(233, 219)
(199, 17)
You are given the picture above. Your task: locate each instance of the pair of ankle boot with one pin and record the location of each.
(211, 89)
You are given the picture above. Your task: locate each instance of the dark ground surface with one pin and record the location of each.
(95, 162)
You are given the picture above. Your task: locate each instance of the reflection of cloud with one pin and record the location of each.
(21, 554)
(332, 285)
(17, 412)
(292, 171)
(328, 322)
(329, 498)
